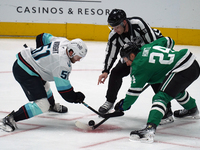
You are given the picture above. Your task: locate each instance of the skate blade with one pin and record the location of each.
(166, 121)
(136, 138)
(189, 117)
(5, 128)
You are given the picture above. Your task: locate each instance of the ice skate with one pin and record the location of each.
(167, 118)
(8, 123)
(189, 114)
(145, 135)
(105, 107)
(58, 108)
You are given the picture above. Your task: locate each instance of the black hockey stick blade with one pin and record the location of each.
(116, 113)
(105, 116)
(100, 123)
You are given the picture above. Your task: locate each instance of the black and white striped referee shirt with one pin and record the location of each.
(138, 29)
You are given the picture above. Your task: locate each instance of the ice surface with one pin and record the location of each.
(53, 131)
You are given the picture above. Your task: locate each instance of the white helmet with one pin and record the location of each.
(78, 47)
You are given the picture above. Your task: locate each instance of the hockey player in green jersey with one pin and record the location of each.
(153, 63)
(126, 29)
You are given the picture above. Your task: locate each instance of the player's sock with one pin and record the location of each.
(167, 118)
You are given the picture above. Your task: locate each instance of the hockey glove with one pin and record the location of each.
(79, 97)
(119, 105)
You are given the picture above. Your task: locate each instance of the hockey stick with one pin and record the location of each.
(144, 88)
(92, 109)
(98, 124)
(111, 115)
(106, 117)
(87, 127)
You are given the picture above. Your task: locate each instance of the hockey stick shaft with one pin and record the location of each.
(105, 119)
(100, 123)
(110, 115)
(92, 109)
(145, 87)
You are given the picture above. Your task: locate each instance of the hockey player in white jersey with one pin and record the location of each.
(42, 40)
(33, 67)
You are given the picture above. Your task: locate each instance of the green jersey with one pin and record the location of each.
(151, 66)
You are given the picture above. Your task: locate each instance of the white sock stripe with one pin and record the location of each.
(133, 94)
(185, 101)
(134, 91)
(160, 104)
(158, 109)
(182, 98)
(43, 104)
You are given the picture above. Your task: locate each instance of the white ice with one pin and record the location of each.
(53, 131)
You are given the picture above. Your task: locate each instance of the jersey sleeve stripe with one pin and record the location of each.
(26, 64)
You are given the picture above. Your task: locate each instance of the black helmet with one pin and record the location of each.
(129, 48)
(116, 17)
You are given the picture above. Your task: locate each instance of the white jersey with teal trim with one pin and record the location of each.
(48, 38)
(50, 62)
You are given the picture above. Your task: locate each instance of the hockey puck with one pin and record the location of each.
(91, 123)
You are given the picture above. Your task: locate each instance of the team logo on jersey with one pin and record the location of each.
(145, 52)
(133, 79)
